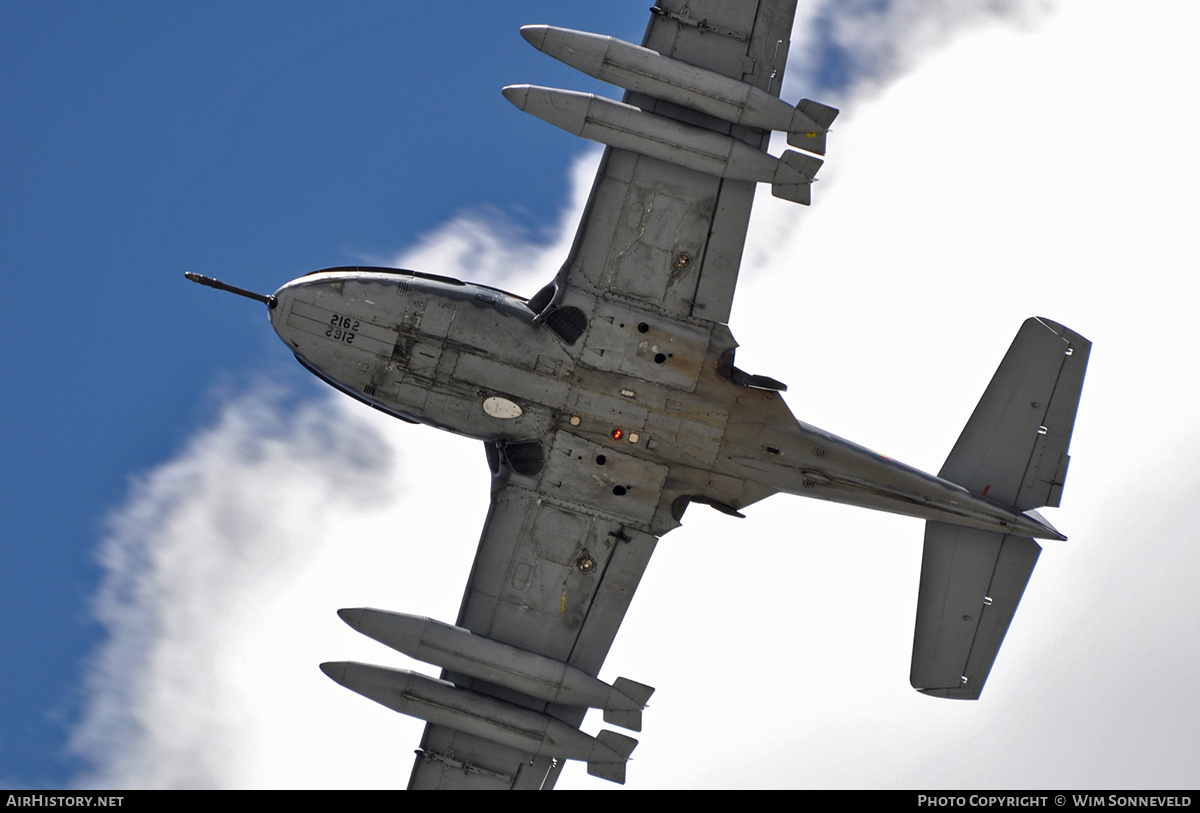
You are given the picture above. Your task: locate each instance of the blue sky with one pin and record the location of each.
(989, 164)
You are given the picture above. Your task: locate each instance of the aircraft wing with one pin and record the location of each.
(561, 556)
(557, 565)
(658, 235)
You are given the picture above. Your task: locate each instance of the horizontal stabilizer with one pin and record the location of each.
(1014, 448)
(612, 770)
(971, 584)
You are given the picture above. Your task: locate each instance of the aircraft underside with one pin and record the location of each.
(609, 402)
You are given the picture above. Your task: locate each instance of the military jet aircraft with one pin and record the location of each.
(610, 401)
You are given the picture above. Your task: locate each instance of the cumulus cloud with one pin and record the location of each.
(486, 246)
(195, 561)
(991, 182)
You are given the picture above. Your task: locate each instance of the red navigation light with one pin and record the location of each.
(617, 434)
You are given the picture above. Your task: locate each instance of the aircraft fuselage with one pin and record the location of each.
(647, 400)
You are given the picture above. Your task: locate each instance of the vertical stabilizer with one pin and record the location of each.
(608, 759)
(810, 126)
(639, 693)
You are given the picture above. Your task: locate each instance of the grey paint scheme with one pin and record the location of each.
(498, 722)
(461, 651)
(609, 402)
(649, 72)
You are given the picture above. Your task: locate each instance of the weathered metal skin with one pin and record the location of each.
(462, 652)
(645, 71)
(478, 362)
(495, 720)
(425, 349)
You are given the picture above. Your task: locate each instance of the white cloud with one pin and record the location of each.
(860, 46)
(1013, 173)
(201, 563)
(487, 247)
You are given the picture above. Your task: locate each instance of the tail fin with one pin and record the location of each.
(1013, 450)
(810, 140)
(639, 693)
(810, 125)
(619, 746)
(821, 114)
(794, 163)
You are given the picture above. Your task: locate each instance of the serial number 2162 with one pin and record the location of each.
(341, 329)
